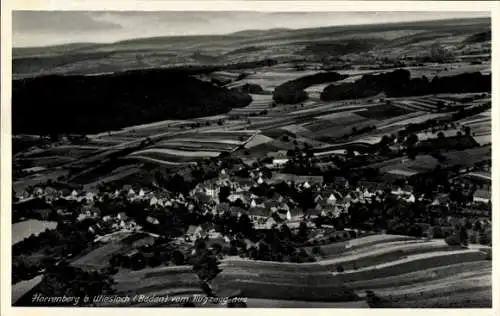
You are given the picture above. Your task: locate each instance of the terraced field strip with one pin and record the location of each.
(159, 281)
(63, 151)
(118, 174)
(178, 153)
(268, 303)
(476, 121)
(424, 104)
(468, 157)
(449, 285)
(420, 276)
(410, 105)
(196, 146)
(373, 258)
(416, 119)
(257, 140)
(337, 106)
(472, 298)
(412, 263)
(341, 115)
(332, 149)
(373, 248)
(333, 287)
(159, 161)
(105, 141)
(294, 128)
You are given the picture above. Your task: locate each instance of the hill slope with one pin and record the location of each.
(89, 104)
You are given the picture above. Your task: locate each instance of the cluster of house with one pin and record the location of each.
(332, 199)
(329, 199)
(58, 199)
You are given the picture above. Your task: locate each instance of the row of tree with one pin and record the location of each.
(399, 83)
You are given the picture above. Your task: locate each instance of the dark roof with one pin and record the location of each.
(271, 203)
(259, 211)
(235, 210)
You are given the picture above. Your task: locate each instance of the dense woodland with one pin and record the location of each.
(292, 92)
(89, 104)
(400, 84)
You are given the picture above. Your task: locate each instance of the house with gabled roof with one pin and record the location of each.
(319, 197)
(142, 193)
(131, 193)
(482, 196)
(296, 213)
(332, 199)
(258, 212)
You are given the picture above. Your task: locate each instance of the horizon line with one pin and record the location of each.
(245, 30)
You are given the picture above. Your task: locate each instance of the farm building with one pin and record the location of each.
(482, 196)
(258, 212)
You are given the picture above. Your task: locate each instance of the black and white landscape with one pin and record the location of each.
(250, 159)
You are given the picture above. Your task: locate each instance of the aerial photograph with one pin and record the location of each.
(257, 159)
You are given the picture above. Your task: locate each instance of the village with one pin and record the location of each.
(229, 208)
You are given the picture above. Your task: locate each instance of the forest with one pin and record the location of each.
(400, 84)
(90, 104)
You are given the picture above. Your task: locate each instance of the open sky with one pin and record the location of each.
(43, 28)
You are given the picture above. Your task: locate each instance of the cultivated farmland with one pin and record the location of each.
(369, 264)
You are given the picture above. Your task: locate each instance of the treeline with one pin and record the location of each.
(442, 143)
(90, 104)
(342, 47)
(22, 65)
(292, 92)
(400, 84)
(249, 88)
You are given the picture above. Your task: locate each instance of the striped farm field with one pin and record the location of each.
(179, 153)
(294, 128)
(468, 157)
(381, 265)
(333, 107)
(397, 268)
(415, 119)
(224, 135)
(170, 156)
(196, 146)
(257, 140)
(350, 116)
(383, 111)
(74, 151)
